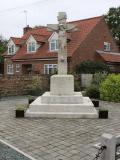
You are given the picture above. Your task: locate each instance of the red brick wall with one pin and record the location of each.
(14, 85)
(94, 41)
(37, 66)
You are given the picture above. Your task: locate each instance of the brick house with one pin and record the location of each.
(36, 50)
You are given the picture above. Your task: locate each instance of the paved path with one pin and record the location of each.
(55, 139)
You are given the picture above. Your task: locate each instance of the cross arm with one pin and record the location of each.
(52, 27)
(71, 28)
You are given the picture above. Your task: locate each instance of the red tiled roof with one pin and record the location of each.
(17, 41)
(84, 27)
(42, 31)
(40, 38)
(109, 56)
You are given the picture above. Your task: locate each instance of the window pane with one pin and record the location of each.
(50, 71)
(106, 46)
(10, 69)
(52, 46)
(17, 67)
(12, 48)
(50, 68)
(31, 47)
(9, 50)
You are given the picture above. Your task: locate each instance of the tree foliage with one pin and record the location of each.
(110, 88)
(91, 67)
(3, 47)
(112, 18)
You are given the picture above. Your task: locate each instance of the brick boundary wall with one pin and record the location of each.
(22, 85)
(13, 85)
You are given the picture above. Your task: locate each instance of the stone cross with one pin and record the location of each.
(62, 28)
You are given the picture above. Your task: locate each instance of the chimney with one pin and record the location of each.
(26, 29)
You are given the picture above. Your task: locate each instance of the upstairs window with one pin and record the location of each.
(10, 69)
(107, 46)
(31, 47)
(11, 49)
(53, 44)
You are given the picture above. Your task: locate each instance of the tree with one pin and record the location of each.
(3, 47)
(112, 18)
(91, 67)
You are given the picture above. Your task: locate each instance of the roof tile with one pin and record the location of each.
(84, 27)
(109, 56)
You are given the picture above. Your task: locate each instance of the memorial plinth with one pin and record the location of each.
(62, 101)
(62, 85)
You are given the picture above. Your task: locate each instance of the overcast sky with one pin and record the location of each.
(42, 12)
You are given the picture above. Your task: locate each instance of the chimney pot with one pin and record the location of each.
(26, 29)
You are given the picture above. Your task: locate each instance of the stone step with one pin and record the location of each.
(47, 98)
(81, 110)
(60, 115)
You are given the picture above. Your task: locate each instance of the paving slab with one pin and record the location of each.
(55, 139)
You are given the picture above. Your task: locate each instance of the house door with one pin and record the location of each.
(27, 68)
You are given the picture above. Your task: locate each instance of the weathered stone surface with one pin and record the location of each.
(62, 85)
(62, 99)
(62, 110)
(62, 28)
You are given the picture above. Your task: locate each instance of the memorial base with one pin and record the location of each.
(62, 101)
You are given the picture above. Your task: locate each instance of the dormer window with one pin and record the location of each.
(31, 47)
(11, 49)
(107, 46)
(53, 45)
(53, 42)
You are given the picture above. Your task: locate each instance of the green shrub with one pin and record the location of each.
(99, 77)
(91, 67)
(21, 107)
(1, 59)
(35, 88)
(110, 88)
(93, 91)
(35, 92)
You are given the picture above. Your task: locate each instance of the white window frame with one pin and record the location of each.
(30, 47)
(107, 46)
(11, 49)
(10, 69)
(47, 68)
(53, 45)
(18, 66)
